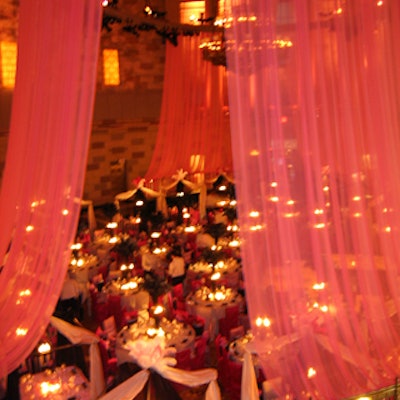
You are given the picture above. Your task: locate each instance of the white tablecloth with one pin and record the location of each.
(67, 382)
(211, 310)
(177, 334)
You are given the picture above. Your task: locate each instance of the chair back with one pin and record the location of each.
(200, 348)
(184, 359)
(110, 327)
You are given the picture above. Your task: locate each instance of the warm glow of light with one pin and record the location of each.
(21, 331)
(274, 184)
(357, 215)
(190, 229)
(319, 226)
(254, 153)
(325, 188)
(233, 203)
(234, 243)
(114, 239)
(80, 262)
(158, 310)
(111, 67)
(388, 229)
(339, 10)
(379, 3)
(215, 276)
(8, 57)
(356, 198)
(219, 296)
(44, 348)
(324, 308)
(266, 322)
(256, 227)
(191, 11)
(76, 246)
(155, 235)
(129, 286)
(254, 214)
(319, 286)
(274, 199)
(64, 212)
(29, 228)
(290, 202)
(24, 293)
(139, 203)
(311, 372)
(48, 388)
(290, 215)
(111, 225)
(318, 211)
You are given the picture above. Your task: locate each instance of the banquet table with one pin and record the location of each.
(211, 305)
(229, 269)
(84, 268)
(178, 335)
(61, 383)
(132, 296)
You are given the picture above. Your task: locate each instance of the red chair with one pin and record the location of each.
(200, 347)
(99, 310)
(129, 317)
(221, 351)
(115, 309)
(184, 359)
(110, 366)
(230, 321)
(232, 378)
(178, 297)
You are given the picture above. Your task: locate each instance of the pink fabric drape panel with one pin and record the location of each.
(315, 137)
(45, 165)
(194, 118)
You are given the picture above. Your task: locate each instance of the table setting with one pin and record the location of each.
(177, 335)
(130, 291)
(211, 304)
(154, 350)
(64, 382)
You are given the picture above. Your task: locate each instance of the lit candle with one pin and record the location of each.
(49, 388)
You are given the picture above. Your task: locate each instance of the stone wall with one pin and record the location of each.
(125, 119)
(120, 151)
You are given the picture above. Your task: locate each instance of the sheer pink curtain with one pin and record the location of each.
(315, 137)
(194, 130)
(46, 157)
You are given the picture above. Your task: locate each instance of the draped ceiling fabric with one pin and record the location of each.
(45, 164)
(194, 132)
(315, 136)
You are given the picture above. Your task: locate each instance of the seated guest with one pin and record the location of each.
(176, 267)
(204, 240)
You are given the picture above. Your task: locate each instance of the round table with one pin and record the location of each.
(65, 382)
(211, 304)
(179, 335)
(132, 296)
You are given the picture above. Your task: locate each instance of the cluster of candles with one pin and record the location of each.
(49, 388)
